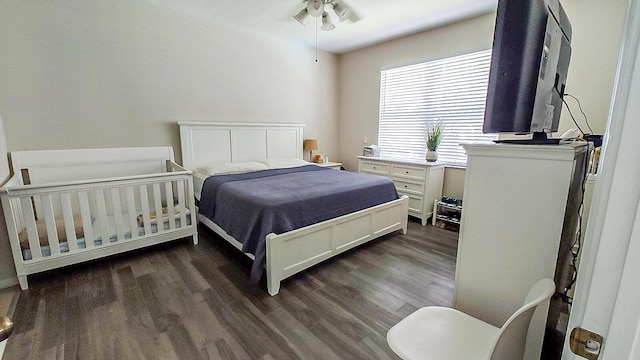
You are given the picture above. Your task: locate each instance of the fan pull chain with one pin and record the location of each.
(316, 39)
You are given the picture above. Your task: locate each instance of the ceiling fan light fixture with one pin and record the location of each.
(315, 7)
(301, 16)
(342, 11)
(327, 25)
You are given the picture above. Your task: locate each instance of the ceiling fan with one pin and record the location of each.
(318, 8)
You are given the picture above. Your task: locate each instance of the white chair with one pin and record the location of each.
(438, 333)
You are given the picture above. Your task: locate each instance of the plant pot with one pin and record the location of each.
(432, 156)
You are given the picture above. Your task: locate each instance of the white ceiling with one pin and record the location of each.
(380, 20)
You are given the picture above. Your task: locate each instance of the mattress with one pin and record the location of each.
(64, 246)
(251, 205)
(198, 183)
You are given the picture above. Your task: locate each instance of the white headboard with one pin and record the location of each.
(205, 143)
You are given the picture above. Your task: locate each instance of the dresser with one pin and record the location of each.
(421, 181)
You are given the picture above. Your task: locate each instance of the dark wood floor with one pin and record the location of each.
(179, 301)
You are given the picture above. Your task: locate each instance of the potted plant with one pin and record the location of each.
(433, 137)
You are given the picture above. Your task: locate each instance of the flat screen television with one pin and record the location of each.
(529, 64)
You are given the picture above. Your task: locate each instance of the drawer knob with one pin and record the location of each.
(405, 186)
(406, 172)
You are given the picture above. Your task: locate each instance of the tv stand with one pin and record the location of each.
(539, 138)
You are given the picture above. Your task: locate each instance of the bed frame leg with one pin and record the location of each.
(195, 239)
(24, 285)
(273, 287)
(405, 210)
(274, 263)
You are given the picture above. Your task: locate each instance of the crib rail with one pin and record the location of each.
(53, 220)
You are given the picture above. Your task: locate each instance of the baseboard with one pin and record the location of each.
(7, 283)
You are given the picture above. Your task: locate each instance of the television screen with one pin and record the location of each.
(529, 64)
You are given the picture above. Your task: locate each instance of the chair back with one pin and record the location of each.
(513, 334)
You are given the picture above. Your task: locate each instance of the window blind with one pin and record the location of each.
(451, 90)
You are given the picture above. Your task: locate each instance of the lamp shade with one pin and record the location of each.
(342, 11)
(315, 7)
(326, 22)
(310, 144)
(301, 16)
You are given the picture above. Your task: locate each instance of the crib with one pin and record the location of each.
(64, 207)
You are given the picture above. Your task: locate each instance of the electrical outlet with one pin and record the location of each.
(366, 139)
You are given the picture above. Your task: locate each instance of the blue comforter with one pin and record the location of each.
(251, 205)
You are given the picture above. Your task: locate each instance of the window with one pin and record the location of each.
(451, 90)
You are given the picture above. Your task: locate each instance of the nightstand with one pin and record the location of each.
(331, 165)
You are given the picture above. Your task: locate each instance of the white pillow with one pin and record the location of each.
(232, 168)
(280, 163)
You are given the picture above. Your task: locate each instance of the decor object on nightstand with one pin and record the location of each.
(433, 137)
(310, 145)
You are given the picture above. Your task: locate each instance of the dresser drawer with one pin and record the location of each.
(415, 202)
(408, 187)
(375, 168)
(409, 172)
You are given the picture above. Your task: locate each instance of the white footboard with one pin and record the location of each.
(294, 251)
(54, 225)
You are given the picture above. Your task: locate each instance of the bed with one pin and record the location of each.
(289, 252)
(64, 207)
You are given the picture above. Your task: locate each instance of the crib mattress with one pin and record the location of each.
(64, 246)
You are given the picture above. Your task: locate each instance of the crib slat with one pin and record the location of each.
(85, 213)
(144, 199)
(172, 216)
(191, 199)
(17, 211)
(131, 207)
(30, 224)
(69, 226)
(101, 208)
(157, 199)
(181, 205)
(50, 223)
(117, 213)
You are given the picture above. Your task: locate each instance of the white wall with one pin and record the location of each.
(597, 26)
(121, 73)
(7, 270)
(597, 32)
(92, 73)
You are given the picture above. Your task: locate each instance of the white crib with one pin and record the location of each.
(64, 207)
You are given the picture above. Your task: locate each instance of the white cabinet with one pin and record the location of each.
(515, 197)
(421, 181)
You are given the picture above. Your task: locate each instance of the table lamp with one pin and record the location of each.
(310, 145)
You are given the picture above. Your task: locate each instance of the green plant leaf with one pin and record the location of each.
(433, 135)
